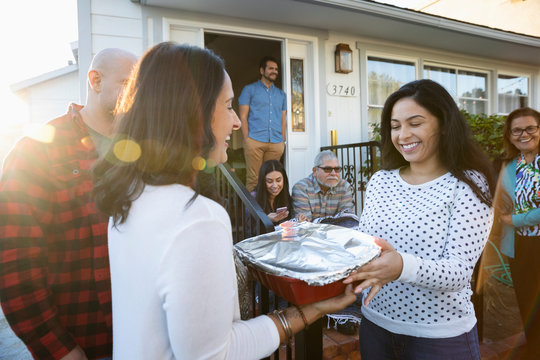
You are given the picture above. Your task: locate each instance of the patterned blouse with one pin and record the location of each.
(527, 192)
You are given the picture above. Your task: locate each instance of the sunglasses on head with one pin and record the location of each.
(328, 169)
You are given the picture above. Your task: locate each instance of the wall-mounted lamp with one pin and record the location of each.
(343, 58)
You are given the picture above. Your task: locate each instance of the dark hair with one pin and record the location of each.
(510, 151)
(457, 149)
(283, 198)
(266, 59)
(163, 125)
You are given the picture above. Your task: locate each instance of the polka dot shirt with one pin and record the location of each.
(440, 229)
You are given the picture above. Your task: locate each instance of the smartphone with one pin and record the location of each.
(281, 209)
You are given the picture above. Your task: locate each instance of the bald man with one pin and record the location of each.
(54, 266)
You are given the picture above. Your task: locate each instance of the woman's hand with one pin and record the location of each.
(507, 219)
(302, 217)
(387, 267)
(336, 303)
(278, 216)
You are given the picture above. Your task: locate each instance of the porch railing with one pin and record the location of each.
(359, 161)
(248, 219)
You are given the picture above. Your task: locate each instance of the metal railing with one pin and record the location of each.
(359, 161)
(248, 219)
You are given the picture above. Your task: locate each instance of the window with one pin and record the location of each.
(384, 77)
(469, 88)
(513, 92)
(297, 96)
(445, 77)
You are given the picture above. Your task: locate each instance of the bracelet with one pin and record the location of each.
(303, 317)
(287, 325)
(276, 314)
(284, 323)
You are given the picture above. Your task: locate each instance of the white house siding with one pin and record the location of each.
(116, 24)
(45, 101)
(104, 24)
(50, 99)
(342, 112)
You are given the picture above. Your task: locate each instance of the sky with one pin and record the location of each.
(35, 37)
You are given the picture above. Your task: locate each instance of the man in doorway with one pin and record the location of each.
(263, 112)
(54, 265)
(323, 192)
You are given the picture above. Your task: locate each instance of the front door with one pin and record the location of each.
(299, 81)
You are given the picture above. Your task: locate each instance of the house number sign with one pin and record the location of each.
(334, 89)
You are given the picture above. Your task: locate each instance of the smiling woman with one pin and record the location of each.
(169, 246)
(272, 191)
(415, 134)
(517, 216)
(431, 205)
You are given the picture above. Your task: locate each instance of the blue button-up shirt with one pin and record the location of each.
(266, 106)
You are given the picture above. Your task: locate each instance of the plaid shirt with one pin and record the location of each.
(54, 272)
(310, 200)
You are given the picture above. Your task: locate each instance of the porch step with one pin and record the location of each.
(337, 346)
(509, 348)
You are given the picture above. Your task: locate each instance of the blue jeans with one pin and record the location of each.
(377, 343)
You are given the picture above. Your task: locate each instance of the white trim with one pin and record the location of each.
(84, 18)
(503, 72)
(150, 32)
(390, 57)
(44, 77)
(253, 32)
(435, 55)
(431, 20)
(490, 100)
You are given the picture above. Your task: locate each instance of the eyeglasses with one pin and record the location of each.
(529, 129)
(328, 169)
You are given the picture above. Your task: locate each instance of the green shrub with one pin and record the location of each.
(488, 132)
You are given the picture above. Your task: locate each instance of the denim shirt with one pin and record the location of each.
(266, 106)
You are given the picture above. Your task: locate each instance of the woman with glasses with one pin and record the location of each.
(432, 205)
(517, 207)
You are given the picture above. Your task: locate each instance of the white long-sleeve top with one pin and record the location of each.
(440, 229)
(174, 290)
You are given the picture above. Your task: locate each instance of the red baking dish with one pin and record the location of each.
(297, 291)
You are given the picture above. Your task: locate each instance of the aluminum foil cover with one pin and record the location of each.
(318, 254)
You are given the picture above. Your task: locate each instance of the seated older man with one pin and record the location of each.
(322, 193)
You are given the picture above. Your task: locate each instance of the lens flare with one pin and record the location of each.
(43, 133)
(127, 150)
(87, 142)
(198, 163)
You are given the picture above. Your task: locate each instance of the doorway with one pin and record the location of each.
(242, 56)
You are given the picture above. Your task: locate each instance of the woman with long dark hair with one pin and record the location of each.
(517, 209)
(431, 203)
(272, 191)
(174, 292)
